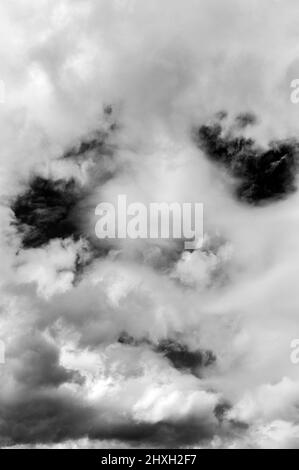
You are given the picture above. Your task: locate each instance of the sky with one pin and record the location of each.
(140, 343)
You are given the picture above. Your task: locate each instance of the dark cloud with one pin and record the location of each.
(45, 211)
(262, 174)
(55, 417)
(50, 416)
(181, 357)
(37, 363)
(125, 338)
(221, 410)
(42, 411)
(162, 434)
(50, 209)
(38, 409)
(178, 353)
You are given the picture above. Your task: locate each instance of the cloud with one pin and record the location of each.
(262, 174)
(102, 98)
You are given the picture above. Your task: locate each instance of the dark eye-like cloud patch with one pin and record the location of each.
(44, 211)
(51, 208)
(262, 174)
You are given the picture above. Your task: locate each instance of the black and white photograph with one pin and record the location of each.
(149, 227)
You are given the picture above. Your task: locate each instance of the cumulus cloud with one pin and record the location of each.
(138, 342)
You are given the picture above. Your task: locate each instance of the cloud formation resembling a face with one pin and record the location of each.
(138, 342)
